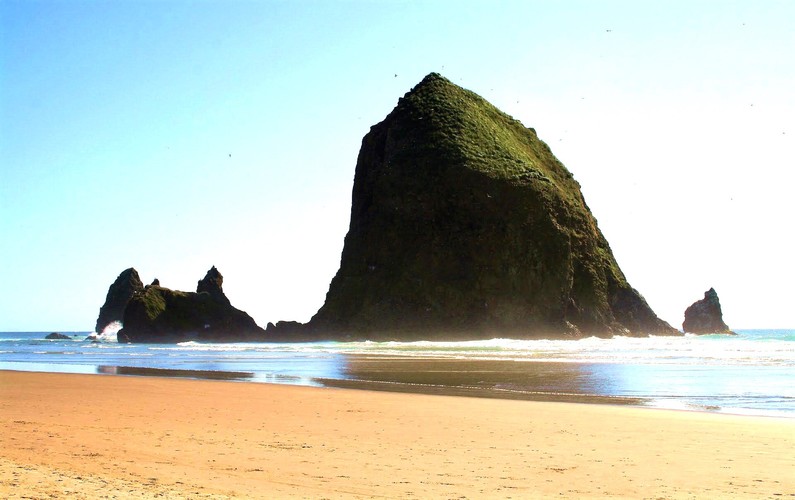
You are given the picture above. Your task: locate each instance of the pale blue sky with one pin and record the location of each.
(118, 119)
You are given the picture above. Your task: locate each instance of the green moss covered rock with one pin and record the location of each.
(160, 315)
(464, 225)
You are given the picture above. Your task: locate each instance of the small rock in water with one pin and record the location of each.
(57, 336)
(705, 316)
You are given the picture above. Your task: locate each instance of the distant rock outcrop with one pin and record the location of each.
(119, 294)
(705, 316)
(57, 336)
(464, 225)
(161, 315)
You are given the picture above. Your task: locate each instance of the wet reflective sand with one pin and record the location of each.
(503, 379)
(166, 372)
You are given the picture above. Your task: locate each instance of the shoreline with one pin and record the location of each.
(388, 384)
(146, 436)
(413, 378)
(536, 380)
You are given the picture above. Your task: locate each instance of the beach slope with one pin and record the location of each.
(84, 436)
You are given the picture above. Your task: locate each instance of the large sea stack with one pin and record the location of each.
(705, 316)
(119, 294)
(162, 315)
(465, 226)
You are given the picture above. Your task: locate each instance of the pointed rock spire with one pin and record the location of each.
(212, 283)
(119, 294)
(705, 315)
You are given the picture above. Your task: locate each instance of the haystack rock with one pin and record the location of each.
(119, 294)
(160, 315)
(705, 316)
(464, 225)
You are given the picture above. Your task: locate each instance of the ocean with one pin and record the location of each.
(750, 373)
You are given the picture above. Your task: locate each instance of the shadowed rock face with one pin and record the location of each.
(464, 225)
(160, 315)
(119, 294)
(212, 284)
(705, 315)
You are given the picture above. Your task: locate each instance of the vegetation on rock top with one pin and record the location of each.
(161, 315)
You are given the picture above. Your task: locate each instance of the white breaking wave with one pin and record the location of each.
(108, 333)
(655, 350)
(689, 350)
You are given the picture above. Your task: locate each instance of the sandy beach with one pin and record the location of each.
(90, 436)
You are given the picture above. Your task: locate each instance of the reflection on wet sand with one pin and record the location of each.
(167, 372)
(504, 379)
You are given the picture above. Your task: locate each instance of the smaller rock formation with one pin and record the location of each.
(57, 336)
(160, 315)
(705, 316)
(294, 331)
(119, 294)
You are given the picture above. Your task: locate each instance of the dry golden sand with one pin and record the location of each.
(89, 436)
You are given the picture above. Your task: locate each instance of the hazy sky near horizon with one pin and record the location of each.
(172, 136)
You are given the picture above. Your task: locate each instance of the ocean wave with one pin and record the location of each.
(664, 350)
(753, 348)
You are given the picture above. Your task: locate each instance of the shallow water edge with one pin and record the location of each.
(750, 373)
(529, 381)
